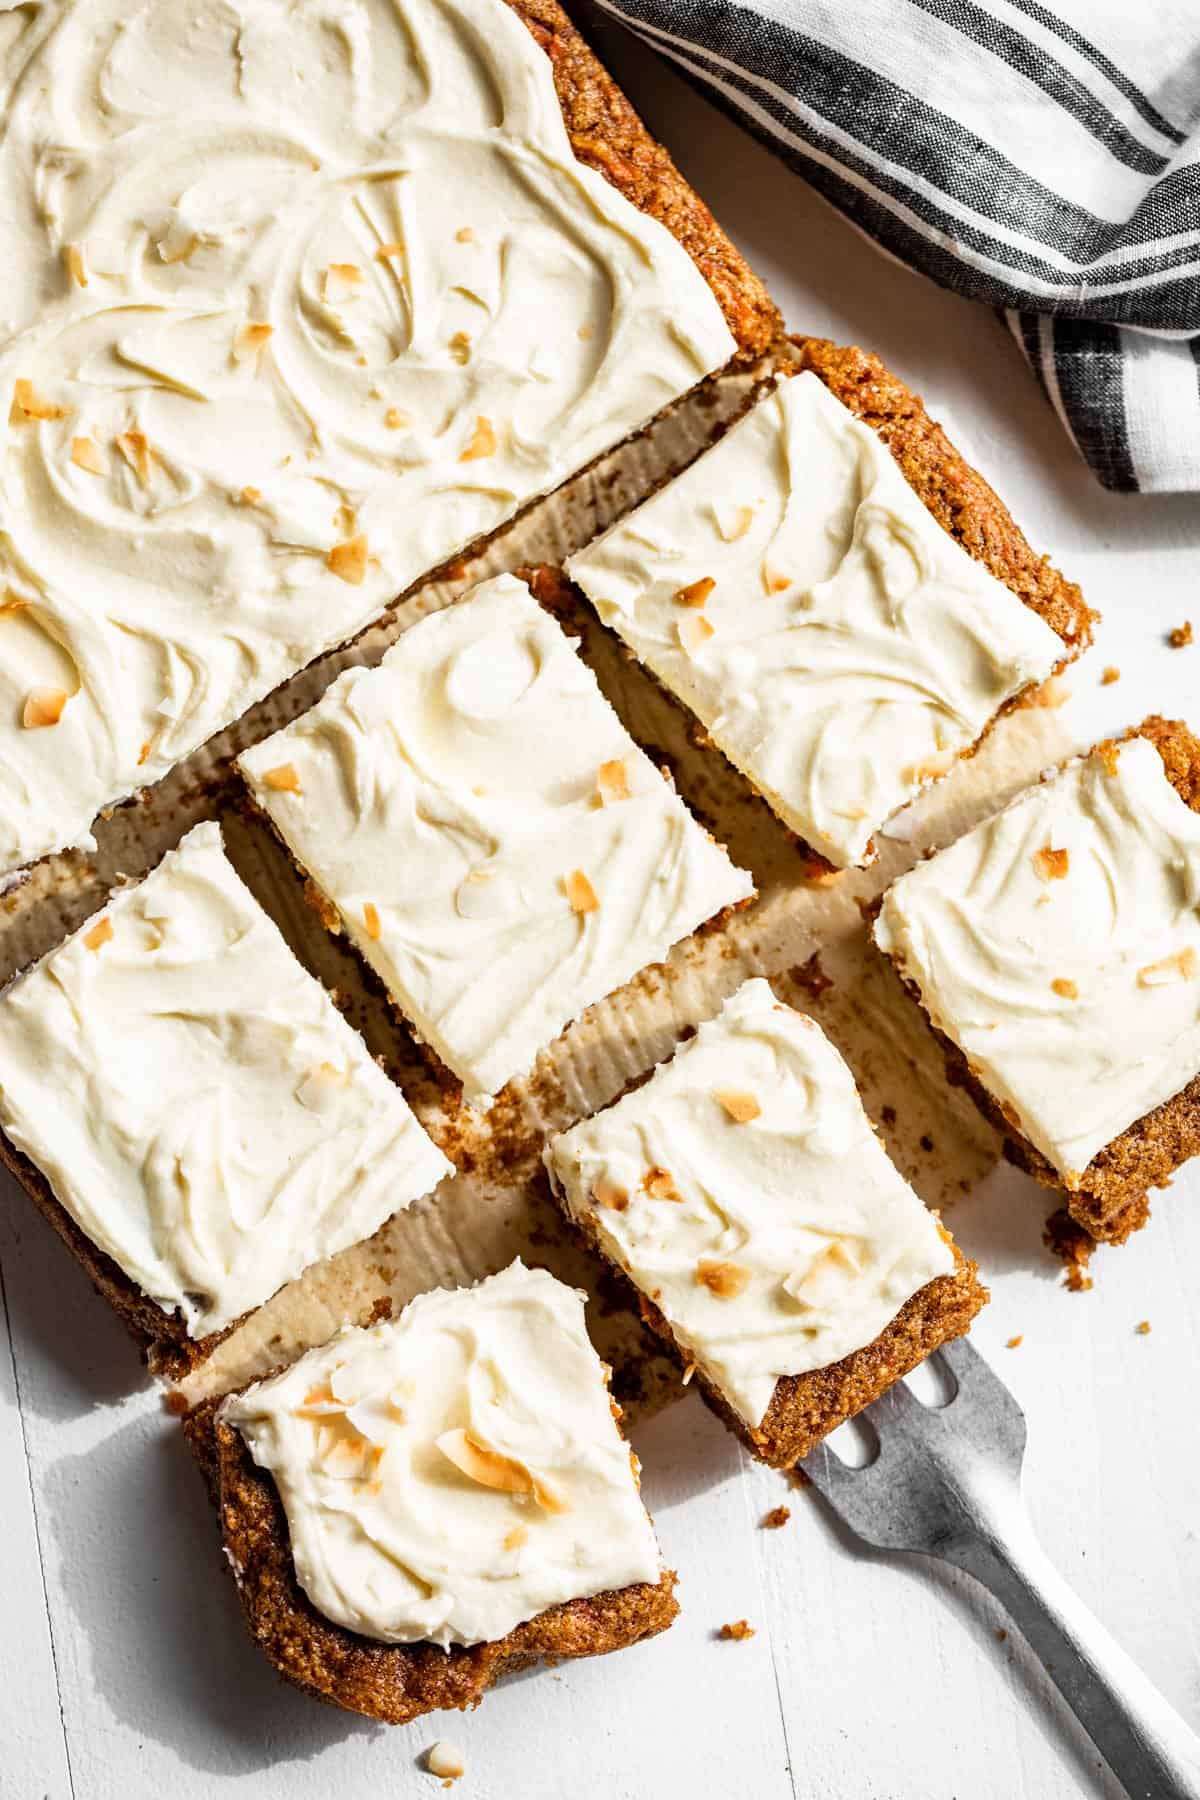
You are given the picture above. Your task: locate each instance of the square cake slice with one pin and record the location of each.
(832, 637)
(414, 1509)
(494, 843)
(293, 328)
(1056, 947)
(190, 1110)
(744, 1193)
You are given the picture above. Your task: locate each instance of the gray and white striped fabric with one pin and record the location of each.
(1041, 157)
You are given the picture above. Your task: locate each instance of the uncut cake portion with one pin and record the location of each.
(745, 1195)
(191, 1112)
(487, 833)
(820, 615)
(1056, 947)
(295, 303)
(414, 1509)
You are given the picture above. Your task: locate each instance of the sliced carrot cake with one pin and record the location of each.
(487, 833)
(191, 1111)
(745, 1195)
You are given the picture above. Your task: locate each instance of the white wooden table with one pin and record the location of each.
(124, 1668)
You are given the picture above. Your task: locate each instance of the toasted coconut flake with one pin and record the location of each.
(348, 560)
(76, 267)
(516, 1537)
(480, 1463)
(250, 496)
(484, 441)
(612, 783)
(321, 1086)
(734, 522)
(774, 580)
(395, 418)
(1015, 1342)
(724, 1280)
(1063, 986)
(87, 454)
(43, 706)
(249, 340)
(1051, 865)
(660, 1184)
(386, 251)
(135, 448)
(1111, 674)
(341, 282)
(460, 347)
(464, 235)
(741, 1107)
(694, 633)
(1143, 1328)
(696, 592)
(28, 404)
(284, 778)
(100, 934)
(347, 1459)
(580, 892)
(12, 602)
(610, 1196)
(371, 919)
(144, 752)
(1179, 967)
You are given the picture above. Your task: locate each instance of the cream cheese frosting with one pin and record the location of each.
(196, 1101)
(497, 847)
(1058, 944)
(743, 1190)
(296, 300)
(835, 642)
(454, 1472)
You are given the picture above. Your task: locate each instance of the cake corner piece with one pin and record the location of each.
(533, 1514)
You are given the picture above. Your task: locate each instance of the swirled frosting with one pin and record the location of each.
(836, 643)
(295, 301)
(454, 1472)
(743, 1190)
(1058, 944)
(196, 1101)
(496, 845)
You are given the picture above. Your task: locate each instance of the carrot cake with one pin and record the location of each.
(1056, 947)
(487, 833)
(415, 1508)
(292, 308)
(191, 1111)
(832, 637)
(745, 1195)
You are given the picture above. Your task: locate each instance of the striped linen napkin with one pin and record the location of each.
(1042, 156)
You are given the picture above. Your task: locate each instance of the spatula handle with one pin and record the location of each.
(1148, 1747)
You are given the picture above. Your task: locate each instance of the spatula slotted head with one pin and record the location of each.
(934, 1466)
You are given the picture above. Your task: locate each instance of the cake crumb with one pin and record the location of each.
(1001, 1635)
(1014, 1343)
(1067, 1240)
(776, 1519)
(1111, 674)
(1181, 637)
(445, 1759)
(1143, 1329)
(810, 977)
(175, 1402)
(736, 1632)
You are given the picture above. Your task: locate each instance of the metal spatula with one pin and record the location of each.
(947, 1482)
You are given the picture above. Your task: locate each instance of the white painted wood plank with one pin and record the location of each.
(34, 1740)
